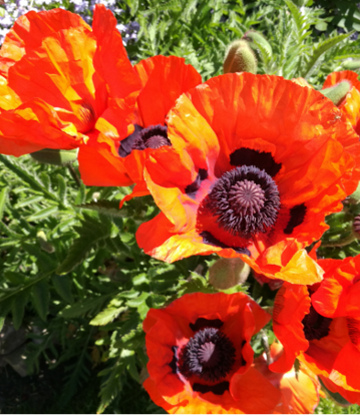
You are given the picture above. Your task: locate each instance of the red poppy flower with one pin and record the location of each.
(140, 127)
(200, 356)
(327, 335)
(300, 391)
(57, 73)
(255, 165)
(350, 105)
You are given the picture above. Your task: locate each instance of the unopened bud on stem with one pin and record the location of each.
(240, 58)
(338, 92)
(55, 156)
(226, 273)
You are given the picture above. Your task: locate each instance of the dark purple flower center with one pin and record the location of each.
(245, 201)
(316, 326)
(209, 354)
(152, 137)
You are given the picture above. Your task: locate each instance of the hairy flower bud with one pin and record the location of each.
(352, 64)
(226, 273)
(338, 92)
(258, 42)
(55, 156)
(240, 58)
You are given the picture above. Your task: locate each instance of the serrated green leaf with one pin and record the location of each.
(15, 277)
(109, 208)
(83, 307)
(3, 197)
(61, 188)
(136, 302)
(40, 299)
(320, 49)
(81, 195)
(2, 321)
(91, 233)
(296, 15)
(62, 285)
(18, 308)
(28, 201)
(44, 213)
(112, 384)
(45, 179)
(107, 315)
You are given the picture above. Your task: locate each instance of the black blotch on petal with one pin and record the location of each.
(193, 187)
(174, 361)
(208, 238)
(201, 323)
(316, 326)
(126, 145)
(297, 215)
(217, 389)
(251, 157)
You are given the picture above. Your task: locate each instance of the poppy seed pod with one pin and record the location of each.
(240, 58)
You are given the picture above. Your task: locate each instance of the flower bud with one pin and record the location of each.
(55, 156)
(258, 42)
(352, 64)
(226, 273)
(338, 92)
(240, 58)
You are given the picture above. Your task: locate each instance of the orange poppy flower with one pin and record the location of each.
(255, 165)
(56, 77)
(300, 391)
(325, 334)
(29, 31)
(200, 356)
(350, 105)
(140, 126)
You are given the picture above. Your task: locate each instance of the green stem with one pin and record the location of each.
(340, 243)
(24, 287)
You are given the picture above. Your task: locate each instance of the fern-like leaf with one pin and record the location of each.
(320, 49)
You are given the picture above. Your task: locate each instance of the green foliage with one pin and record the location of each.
(71, 271)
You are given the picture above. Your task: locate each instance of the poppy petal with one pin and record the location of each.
(255, 392)
(158, 75)
(111, 57)
(292, 303)
(30, 29)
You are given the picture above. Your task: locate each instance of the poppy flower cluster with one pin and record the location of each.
(256, 164)
(320, 325)
(243, 166)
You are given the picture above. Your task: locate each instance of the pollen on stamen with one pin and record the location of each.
(245, 201)
(246, 197)
(209, 354)
(153, 137)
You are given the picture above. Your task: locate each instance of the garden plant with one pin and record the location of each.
(180, 206)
